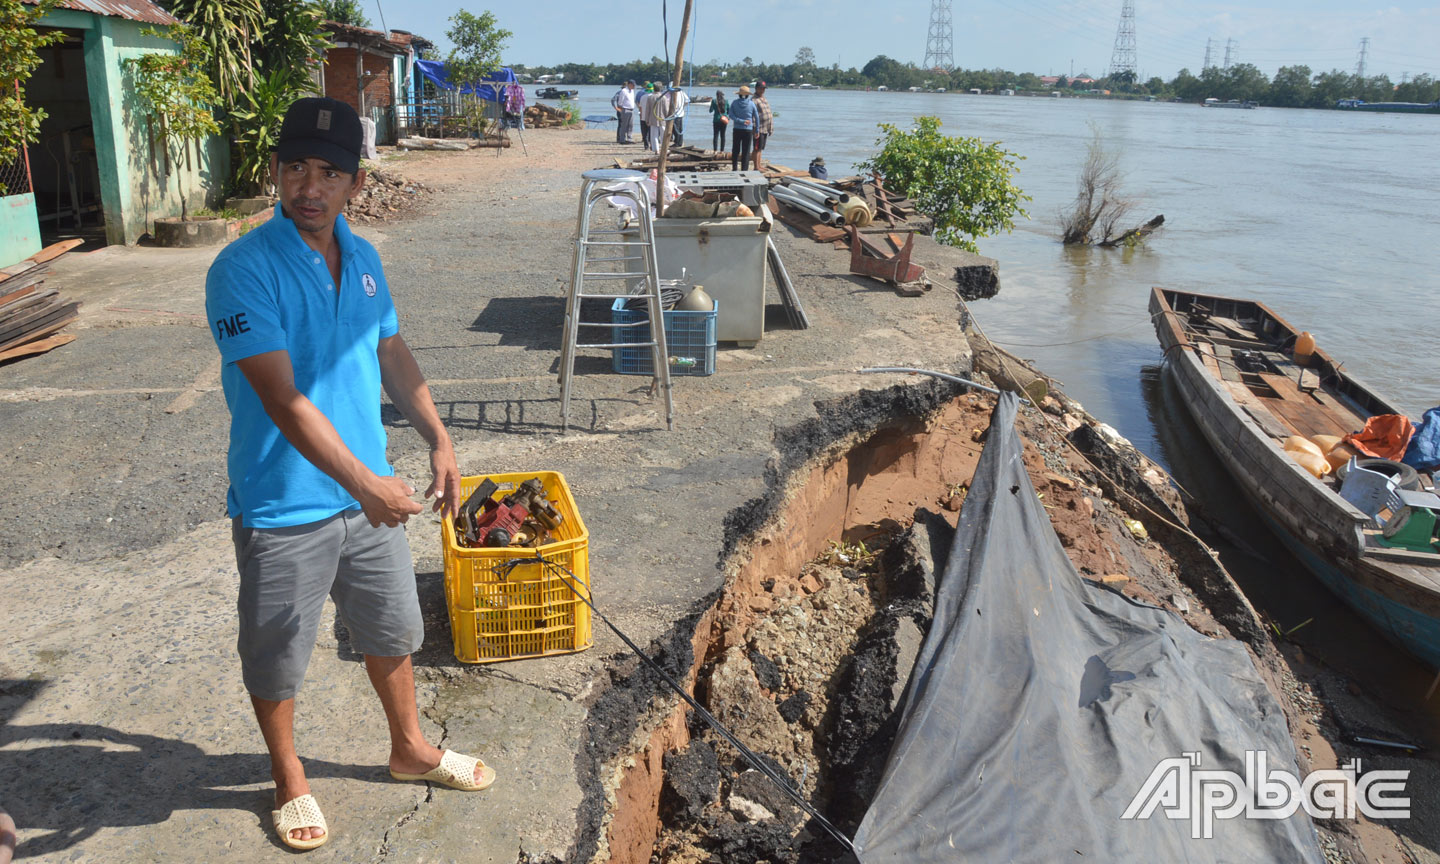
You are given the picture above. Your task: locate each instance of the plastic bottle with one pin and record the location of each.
(683, 362)
(1304, 348)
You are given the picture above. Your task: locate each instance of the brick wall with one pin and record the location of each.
(340, 79)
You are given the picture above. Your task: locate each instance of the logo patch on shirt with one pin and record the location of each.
(369, 282)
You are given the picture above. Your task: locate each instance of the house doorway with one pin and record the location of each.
(63, 166)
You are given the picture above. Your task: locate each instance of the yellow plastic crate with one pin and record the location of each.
(528, 611)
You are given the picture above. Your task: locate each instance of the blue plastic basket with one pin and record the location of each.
(688, 336)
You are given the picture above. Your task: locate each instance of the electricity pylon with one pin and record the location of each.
(940, 44)
(1122, 59)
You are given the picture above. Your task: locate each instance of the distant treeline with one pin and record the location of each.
(1292, 86)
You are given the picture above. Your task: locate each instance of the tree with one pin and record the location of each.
(344, 12)
(1330, 87)
(19, 55)
(1245, 82)
(964, 184)
(478, 43)
(176, 92)
(1187, 86)
(1290, 87)
(229, 28)
(804, 57)
(1421, 88)
(292, 38)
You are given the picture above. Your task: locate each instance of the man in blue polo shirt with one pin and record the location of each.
(302, 316)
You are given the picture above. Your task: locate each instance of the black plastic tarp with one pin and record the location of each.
(1040, 704)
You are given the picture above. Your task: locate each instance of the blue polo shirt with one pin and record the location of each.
(268, 291)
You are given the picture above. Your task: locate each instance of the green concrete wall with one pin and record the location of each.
(135, 185)
(19, 229)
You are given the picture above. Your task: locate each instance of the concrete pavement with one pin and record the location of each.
(126, 733)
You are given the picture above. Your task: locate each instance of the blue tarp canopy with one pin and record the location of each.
(440, 76)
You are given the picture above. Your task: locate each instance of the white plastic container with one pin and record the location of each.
(727, 256)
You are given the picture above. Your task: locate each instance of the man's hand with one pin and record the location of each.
(445, 488)
(386, 501)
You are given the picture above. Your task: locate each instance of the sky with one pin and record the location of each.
(1042, 36)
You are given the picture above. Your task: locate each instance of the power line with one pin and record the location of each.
(1230, 53)
(1360, 64)
(1209, 55)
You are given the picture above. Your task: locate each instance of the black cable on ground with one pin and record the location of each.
(569, 579)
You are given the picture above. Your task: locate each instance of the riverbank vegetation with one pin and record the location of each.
(1291, 87)
(964, 184)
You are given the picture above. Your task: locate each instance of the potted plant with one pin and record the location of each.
(175, 92)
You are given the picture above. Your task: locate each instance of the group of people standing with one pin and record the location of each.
(752, 122)
(653, 105)
(748, 117)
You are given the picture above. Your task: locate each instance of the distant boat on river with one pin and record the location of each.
(1237, 373)
(1389, 107)
(1212, 102)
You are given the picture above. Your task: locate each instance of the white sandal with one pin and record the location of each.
(457, 771)
(296, 813)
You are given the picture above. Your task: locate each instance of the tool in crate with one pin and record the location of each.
(525, 517)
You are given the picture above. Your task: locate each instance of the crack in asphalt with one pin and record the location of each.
(433, 713)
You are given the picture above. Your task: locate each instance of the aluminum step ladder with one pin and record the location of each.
(616, 253)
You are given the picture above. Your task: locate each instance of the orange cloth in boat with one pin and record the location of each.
(1385, 436)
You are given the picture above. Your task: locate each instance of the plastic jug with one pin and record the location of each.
(1304, 348)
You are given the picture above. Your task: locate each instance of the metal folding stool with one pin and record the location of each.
(635, 243)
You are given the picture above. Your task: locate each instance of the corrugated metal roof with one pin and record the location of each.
(135, 10)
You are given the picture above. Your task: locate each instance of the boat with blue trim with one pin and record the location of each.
(1236, 367)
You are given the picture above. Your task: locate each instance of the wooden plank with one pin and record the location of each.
(1235, 328)
(17, 294)
(46, 324)
(55, 250)
(797, 219)
(18, 308)
(1340, 411)
(16, 269)
(1207, 356)
(1302, 411)
(23, 305)
(1228, 369)
(38, 346)
(1251, 404)
(1243, 344)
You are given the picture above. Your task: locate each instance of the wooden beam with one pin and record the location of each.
(669, 124)
(38, 346)
(55, 250)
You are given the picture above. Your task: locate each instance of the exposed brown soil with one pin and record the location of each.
(776, 657)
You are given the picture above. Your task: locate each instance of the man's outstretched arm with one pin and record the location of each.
(405, 384)
(385, 500)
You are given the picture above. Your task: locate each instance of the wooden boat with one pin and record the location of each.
(1232, 361)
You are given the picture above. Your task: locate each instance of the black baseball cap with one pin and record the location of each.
(324, 128)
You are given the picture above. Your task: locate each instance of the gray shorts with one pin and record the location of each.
(285, 575)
